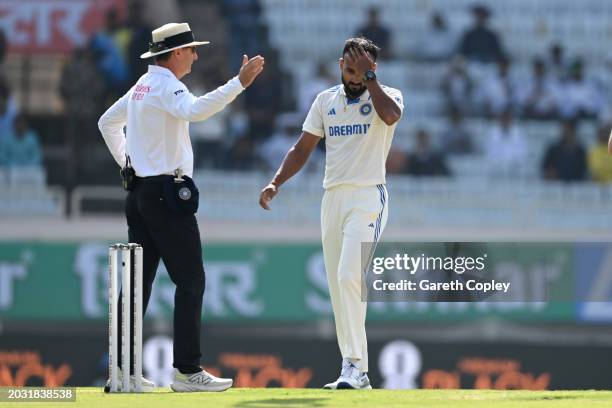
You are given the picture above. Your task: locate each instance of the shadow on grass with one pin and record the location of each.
(547, 397)
(283, 402)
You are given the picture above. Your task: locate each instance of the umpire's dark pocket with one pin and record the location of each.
(182, 197)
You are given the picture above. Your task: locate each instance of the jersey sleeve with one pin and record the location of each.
(314, 120)
(111, 126)
(182, 104)
(397, 97)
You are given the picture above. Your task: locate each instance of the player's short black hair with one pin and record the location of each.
(366, 44)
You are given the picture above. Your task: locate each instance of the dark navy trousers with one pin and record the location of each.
(174, 239)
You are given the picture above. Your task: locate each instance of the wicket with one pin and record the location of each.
(131, 304)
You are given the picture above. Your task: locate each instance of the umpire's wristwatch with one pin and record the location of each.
(370, 75)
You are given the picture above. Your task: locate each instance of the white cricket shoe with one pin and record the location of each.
(147, 385)
(350, 379)
(199, 382)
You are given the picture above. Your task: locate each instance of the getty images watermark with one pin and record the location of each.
(411, 264)
(486, 272)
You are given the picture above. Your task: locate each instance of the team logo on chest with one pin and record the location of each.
(365, 109)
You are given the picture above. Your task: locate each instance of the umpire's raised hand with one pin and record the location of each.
(250, 69)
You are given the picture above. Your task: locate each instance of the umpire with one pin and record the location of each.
(156, 158)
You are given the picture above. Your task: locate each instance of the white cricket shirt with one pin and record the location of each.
(157, 111)
(357, 141)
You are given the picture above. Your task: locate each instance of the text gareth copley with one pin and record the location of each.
(456, 285)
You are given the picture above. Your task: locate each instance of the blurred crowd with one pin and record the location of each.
(480, 83)
(255, 132)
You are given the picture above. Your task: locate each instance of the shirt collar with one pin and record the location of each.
(160, 70)
(365, 96)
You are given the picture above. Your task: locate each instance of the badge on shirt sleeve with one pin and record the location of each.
(365, 109)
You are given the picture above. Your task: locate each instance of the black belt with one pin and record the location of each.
(180, 197)
(160, 177)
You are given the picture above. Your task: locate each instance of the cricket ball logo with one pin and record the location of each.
(365, 109)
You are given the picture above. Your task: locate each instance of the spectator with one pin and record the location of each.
(243, 20)
(600, 165)
(273, 151)
(207, 135)
(480, 43)
(557, 63)
(506, 147)
(108, 56)
(603, 82)
(426, 161)
(81, 110)
(238, 127)
(140, 34)
(3, 46)
(118, 32)
(378, 33)
(240, 156)
(20, 148)
(3, 51)
(438, 43)
(456, 138)
(565, 159)
(457, 87)
(268, 88)
(579, 97)
(309, 88)
(497, 93)
(8, 110)
(397, 161)
(537, 98)
(80, 73)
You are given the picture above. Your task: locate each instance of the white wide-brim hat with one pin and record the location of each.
(170, 37)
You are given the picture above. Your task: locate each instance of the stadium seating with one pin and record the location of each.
(313, 30)
(467, 201)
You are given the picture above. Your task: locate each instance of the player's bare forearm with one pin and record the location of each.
(386, 108)
(294, 161)
(610, 144)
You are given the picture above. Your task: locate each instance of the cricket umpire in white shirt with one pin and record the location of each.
(156, 158)
(357, 120)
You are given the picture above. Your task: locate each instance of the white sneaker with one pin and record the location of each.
(350, 379)
(199, 382)
(147, 385)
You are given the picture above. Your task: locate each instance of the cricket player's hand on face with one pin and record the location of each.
(360, 59)
(250, 69)
(266, 195)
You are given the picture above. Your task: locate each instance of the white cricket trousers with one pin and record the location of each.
(350, 215)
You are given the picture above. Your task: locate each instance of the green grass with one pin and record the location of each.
(303, 398)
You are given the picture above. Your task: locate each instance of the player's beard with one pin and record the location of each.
(351, 93)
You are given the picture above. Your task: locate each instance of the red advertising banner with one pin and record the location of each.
(52, 26)
(70, 355)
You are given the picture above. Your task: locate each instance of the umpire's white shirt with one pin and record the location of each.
(357, 140)
(157, 111)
